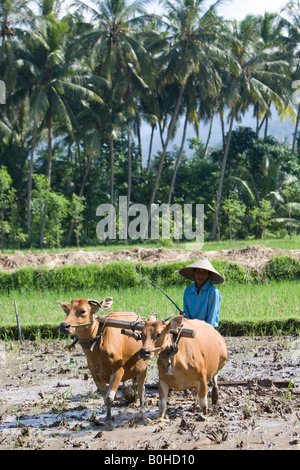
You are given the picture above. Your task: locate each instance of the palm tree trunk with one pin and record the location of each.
(150, 148)
(257, 118)
(140, 144)
(213, 233)
(3, 33)
(296, 131)
(29, 191)
(49, 171)
(267, 125)
(223, 129)
(129, 177)
(161, 135)
(178, 157)
(86, 172)
(50, 135)
(209, 135)
(163, 155)
(267, 119)
(261, 123)
(111, 166)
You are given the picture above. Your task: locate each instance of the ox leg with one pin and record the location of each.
(215, 390)
(101, 385)
(203, 394)
(115, 381)
(141, 386)
(163, 389)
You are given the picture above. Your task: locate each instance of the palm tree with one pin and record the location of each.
(14, 14)
(51, 82)
(291, 21)
(249, 79)
(269, 26)
(189, 102)
(118, 55)
(191, 32)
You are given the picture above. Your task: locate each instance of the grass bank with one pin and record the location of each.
(120, 274)
(249, 309)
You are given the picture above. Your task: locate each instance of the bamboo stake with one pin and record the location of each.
(18, 324)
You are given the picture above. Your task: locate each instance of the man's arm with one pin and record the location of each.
(186, 305)
(214, 302)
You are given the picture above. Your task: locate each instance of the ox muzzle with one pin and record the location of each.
(144, 354)
(65, 329)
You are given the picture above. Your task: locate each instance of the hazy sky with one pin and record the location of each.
(230, 9)
(237, 9)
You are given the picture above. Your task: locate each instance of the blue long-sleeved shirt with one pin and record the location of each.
(205, 306)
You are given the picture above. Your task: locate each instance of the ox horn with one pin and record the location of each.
(168, 318)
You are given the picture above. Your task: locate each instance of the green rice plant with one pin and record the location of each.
(262, 309)
(282, 268)
(125, 275)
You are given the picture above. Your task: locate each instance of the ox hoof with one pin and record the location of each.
(200, 418)
(108, 415)
(215, 396)
(160, 419)
(203, 405)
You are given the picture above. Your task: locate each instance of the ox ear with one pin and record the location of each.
(65, 306)
(175, 323)
(95, 305)
(106, 303)
(152, 317)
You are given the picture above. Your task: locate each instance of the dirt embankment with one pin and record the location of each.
(252, 256)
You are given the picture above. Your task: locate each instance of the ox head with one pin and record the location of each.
(155, 336)
(80, 312)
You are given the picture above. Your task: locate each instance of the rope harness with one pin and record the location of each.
(93, 342)
(173, 349)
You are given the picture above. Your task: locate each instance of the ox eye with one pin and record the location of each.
(82, 312)
(158, 335)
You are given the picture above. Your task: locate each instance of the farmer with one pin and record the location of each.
(202, 299)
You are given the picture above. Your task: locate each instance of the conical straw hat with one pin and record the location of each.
(214, 276)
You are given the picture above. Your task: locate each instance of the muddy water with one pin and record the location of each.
(49, 401)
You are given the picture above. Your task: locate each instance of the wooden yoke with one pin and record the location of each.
(131, 327)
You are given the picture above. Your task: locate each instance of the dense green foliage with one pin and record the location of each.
(80, 84)
(282, 267)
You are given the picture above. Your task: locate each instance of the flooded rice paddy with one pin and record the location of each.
(48, 400)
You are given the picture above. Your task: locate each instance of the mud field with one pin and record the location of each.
(48, 401)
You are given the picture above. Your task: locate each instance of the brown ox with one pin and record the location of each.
(115, 357)
(197, 361)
